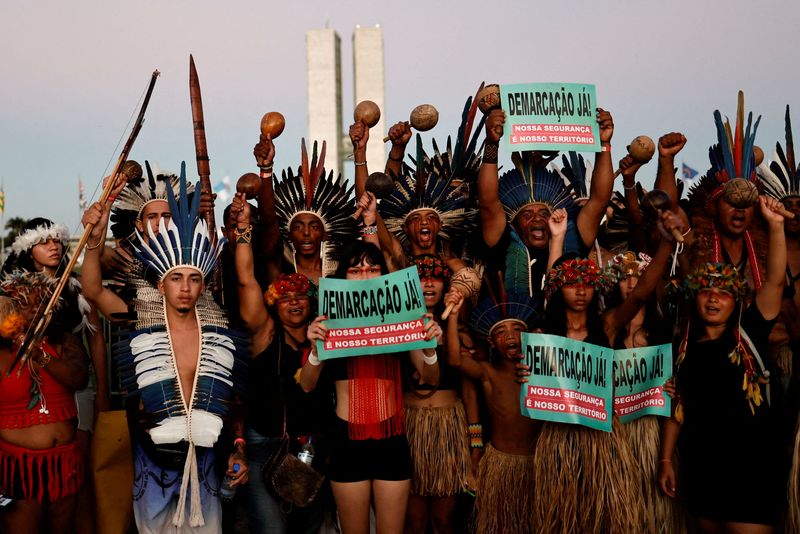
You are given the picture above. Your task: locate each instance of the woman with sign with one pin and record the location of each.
(733, 464)
(572, 461)
(436, 425)
(370, 459)
(277, 321)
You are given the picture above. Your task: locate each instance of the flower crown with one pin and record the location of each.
(722, 276)
(575, 271)
(430, 266)
(295, 282)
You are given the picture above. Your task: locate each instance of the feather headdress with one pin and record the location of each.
(183, 242)
(529, 183)
(576, 171)
(130, 202)
(782, 178)
(440, 183)
(502, 306)
(34, 236)
(732, 157)
(311, 191)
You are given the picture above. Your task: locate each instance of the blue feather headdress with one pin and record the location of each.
(505, 306)
(528, 183)
(782, 178)
(184, 242)
(440, 183)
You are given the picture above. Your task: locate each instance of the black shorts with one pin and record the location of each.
(369, 459)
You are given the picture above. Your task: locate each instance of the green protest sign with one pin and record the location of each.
(639, 376)
(550, 116)
(374, 316)
(570, 381)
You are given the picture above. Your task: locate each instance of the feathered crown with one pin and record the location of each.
(782, 178)
(295, 282)
(184, 242)
(503, 306)
(430, 266)
(529, 183)
(310, 191)
(41, 233)
(732, 157)
(441, 183)
(136, 195)
(23, 290)
(576, 171)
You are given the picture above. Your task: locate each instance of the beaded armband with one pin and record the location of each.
(244, 235)
(475, 436)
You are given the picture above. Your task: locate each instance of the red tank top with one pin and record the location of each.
(15, 397)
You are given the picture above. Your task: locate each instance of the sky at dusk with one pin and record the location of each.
(73, 72)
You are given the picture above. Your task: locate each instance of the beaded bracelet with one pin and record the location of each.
(369, 230)
(475, 435)
(244, 235)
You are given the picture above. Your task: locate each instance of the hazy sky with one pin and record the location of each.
(72, 73)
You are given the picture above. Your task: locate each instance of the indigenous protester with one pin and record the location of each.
(436, 424)
(186, 360)
(781, 181)
(506, 490)
(41, 247)
(573, 461)
(428, 211)
(276, 405)
(725, 398)
(514, 209)
(313, 213)
(370, 458)
(41, 467)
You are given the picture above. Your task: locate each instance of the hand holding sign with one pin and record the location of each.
(317, 331)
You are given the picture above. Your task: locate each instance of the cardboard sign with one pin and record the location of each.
(570, 381)
(639, 376)
(375, 316)
(550, 116)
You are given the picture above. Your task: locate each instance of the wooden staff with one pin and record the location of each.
(200, 147)
(35, 336)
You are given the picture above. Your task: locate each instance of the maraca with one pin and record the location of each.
(742, 194)
(653, 202)
(249, 184)
(423, 118)
(466, 281)
(367, 112)
(641, 150)
(379, 185)
(272, 124)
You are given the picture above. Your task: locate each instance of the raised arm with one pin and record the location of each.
(618, 317)
(270, 236)
(668, 146)
(399, 135)
(558, 230)
(97, 351)
(455, 356)
(592, 212)
(251, 302)
(493, 217)
(770, 294)
(359, 135)
(91, 273)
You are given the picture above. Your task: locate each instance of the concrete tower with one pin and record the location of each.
(368, 82)
(324, 65)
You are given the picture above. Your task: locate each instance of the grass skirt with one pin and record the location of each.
(505, 493)
(587, 481)
(439, 443)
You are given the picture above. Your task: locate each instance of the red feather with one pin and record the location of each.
(471, 117)
(738, 142)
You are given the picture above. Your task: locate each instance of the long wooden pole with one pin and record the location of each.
(200, 147)
(34, 336)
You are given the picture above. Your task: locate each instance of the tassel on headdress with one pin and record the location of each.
(781, 178)
(441, 183)
(128, 206)
(327, 198)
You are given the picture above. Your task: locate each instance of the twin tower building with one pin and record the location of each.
(324, 65)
